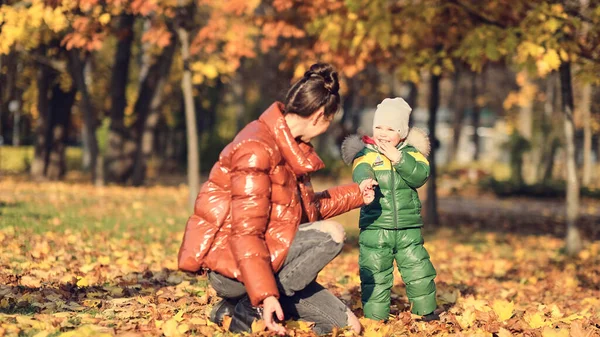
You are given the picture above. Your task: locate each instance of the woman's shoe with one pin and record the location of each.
(243, 316)
(223, 308)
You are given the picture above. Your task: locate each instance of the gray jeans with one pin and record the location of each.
(301, 297)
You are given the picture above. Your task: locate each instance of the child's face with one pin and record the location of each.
(385, 134)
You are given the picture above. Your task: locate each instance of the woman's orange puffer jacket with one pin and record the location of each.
(247, 213)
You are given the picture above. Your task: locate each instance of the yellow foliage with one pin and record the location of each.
(258, 326)
(503, 309)
(550, 332)
(548, 63)
(104, 18)
(467, 319)
(87, 331)
(536, 320)
(299, 325)
(55, 19)
(169, 328)
(82, 282)
(406, 40)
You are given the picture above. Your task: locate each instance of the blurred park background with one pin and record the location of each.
(113, 112)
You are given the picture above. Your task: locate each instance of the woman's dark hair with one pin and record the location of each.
(319, 87)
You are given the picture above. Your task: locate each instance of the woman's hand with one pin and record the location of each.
(367, 187)
(390, 151)
(271, 306)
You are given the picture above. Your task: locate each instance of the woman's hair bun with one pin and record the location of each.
(327, 73)
(318, 88)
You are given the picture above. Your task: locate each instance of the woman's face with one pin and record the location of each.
(385, 134)
(317, 124)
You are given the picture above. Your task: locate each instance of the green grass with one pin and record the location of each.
(147, 213)
(18, 159)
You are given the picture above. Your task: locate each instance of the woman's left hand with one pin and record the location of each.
(367, 187)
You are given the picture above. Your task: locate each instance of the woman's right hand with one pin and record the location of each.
(367, 187)
(271, 306)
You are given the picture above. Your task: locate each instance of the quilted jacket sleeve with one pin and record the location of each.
(413, 167)
(250, 207)
(338, 200)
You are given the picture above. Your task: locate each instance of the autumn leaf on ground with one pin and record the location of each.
(536, 320)
(299, 325)
(258, 326)
(550, 332)
(504, 333)
(503, 309)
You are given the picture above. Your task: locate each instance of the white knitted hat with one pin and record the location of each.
(393, 112)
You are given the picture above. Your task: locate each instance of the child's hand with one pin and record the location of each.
(390, 151)
(367, 187)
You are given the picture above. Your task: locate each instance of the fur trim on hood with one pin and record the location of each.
(354, 143)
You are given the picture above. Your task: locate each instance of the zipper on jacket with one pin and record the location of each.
(395, 210)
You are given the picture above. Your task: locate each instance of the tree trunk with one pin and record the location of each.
(573, 239)
(586, 102)
(525, 130)
(431, 215)
(476, 115)
(115, 161)
(544, 171)
(457, 106)
(59, 115)
(193, 156)
(148, 113)
(41, 139)
(412, 98)
(89, 115)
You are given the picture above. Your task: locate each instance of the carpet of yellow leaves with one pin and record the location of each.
(82, 261)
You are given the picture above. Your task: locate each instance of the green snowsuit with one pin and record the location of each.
(390, 228)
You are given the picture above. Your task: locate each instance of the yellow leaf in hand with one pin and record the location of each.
(504, 309)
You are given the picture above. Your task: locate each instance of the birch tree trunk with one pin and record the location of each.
(573, 239)
(193, 155)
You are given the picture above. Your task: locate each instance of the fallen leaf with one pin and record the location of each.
(536, 320)
(258, 326)
(504, 333)
(30, 281)
(504, 309)
(170, 328)
(300, 325)
(550, 332)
